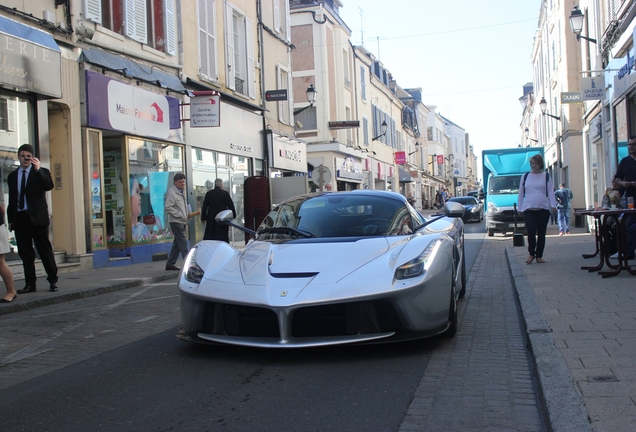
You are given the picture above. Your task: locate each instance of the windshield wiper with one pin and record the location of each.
(283, 230)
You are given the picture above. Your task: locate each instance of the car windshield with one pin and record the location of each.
(464, 200)
(338, 215)
(503, 185)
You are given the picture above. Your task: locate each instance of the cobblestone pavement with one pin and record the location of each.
(481, 379)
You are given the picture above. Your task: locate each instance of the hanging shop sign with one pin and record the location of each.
(344, 124)
(571, 97)
(400, 157)
(593, 88)
(276, 95)
(205, 111)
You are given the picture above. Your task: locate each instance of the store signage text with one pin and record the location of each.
(28, 66)
(293, 155)
(627, 68)
(241, 147)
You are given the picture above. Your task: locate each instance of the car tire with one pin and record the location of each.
(491, 232)
(462, 292)
(451, 331)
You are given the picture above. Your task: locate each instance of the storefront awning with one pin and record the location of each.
(405, 176)
(131, 69)
(31, 59)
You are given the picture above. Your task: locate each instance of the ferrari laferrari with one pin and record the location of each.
(328, 268)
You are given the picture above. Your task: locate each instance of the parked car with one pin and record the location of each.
(474, 210)
(326, 269)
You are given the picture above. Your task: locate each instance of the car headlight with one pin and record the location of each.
(492, 208)
(474, 209)
(192, 272)
(420, 264)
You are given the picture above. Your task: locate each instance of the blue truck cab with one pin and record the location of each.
(502, 171)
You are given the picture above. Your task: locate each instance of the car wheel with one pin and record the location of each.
(452, 317)
(462, 293)
(491, 232)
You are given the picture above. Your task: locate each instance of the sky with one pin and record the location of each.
(471, 58)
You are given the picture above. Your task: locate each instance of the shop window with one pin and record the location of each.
(7, 114)
(135, 194)
(239, 49)
(151, 22)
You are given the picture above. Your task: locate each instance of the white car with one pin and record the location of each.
(327, 269)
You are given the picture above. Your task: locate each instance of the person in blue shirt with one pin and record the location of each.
(564, 198)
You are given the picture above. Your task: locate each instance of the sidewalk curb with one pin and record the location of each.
(85, 293)
(562, 404)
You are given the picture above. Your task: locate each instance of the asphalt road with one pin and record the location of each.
(112, 362)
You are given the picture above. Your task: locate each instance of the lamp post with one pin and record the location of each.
(527, 135)
(544, 106)
(417, 148)
(311, 98)
(383, 128)
(577, 18)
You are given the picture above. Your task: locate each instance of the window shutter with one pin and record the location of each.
(287, 21)
(207, 40)
(229, 48)
(11, 120)
(136, 25)
(365, 131)
(170, 30)
(93, 10)
(276, 7)
(363, 84)
(249, 44)
(279, 82)
(290, 106)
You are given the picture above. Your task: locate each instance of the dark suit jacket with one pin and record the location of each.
(216, 200)
(37, 184)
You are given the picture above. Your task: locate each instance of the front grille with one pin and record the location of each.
(340, 319)
(509, 216)
(233, 320)
(345, 319)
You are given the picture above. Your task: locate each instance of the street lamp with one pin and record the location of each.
(576, 22)
(527, 134)
(544, 105)
(383, 128)
(417, 148)
(311, 98)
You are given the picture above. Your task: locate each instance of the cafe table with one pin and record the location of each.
(600, 217)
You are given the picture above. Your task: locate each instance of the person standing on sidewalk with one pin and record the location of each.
(28, 216)
(216, 200)
(536, 200)
(563, 197)
(5, 271)
(177, 210)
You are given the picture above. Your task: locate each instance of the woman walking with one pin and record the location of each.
(5, 271)
(536, 201)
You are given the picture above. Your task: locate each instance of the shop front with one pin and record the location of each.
(349, 175)
(134, 147)
(30, 74)
(233, 152)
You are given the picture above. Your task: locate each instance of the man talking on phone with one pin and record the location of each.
(28, 216)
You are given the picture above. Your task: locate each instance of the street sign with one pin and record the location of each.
(276, 95)
(321, 175)
(205, 111)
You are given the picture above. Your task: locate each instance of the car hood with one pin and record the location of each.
(326, 262)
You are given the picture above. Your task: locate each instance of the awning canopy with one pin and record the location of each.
(404, 175)
(38, 37)
(132, 69)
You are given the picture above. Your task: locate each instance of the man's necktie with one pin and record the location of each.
(22, 188)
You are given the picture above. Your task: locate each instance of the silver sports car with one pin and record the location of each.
(326, 269)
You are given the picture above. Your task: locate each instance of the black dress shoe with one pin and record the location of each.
(53, 287)
(27, 289)
(172, 267)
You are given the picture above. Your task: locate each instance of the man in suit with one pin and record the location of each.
(215, 201)
(28, 216)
